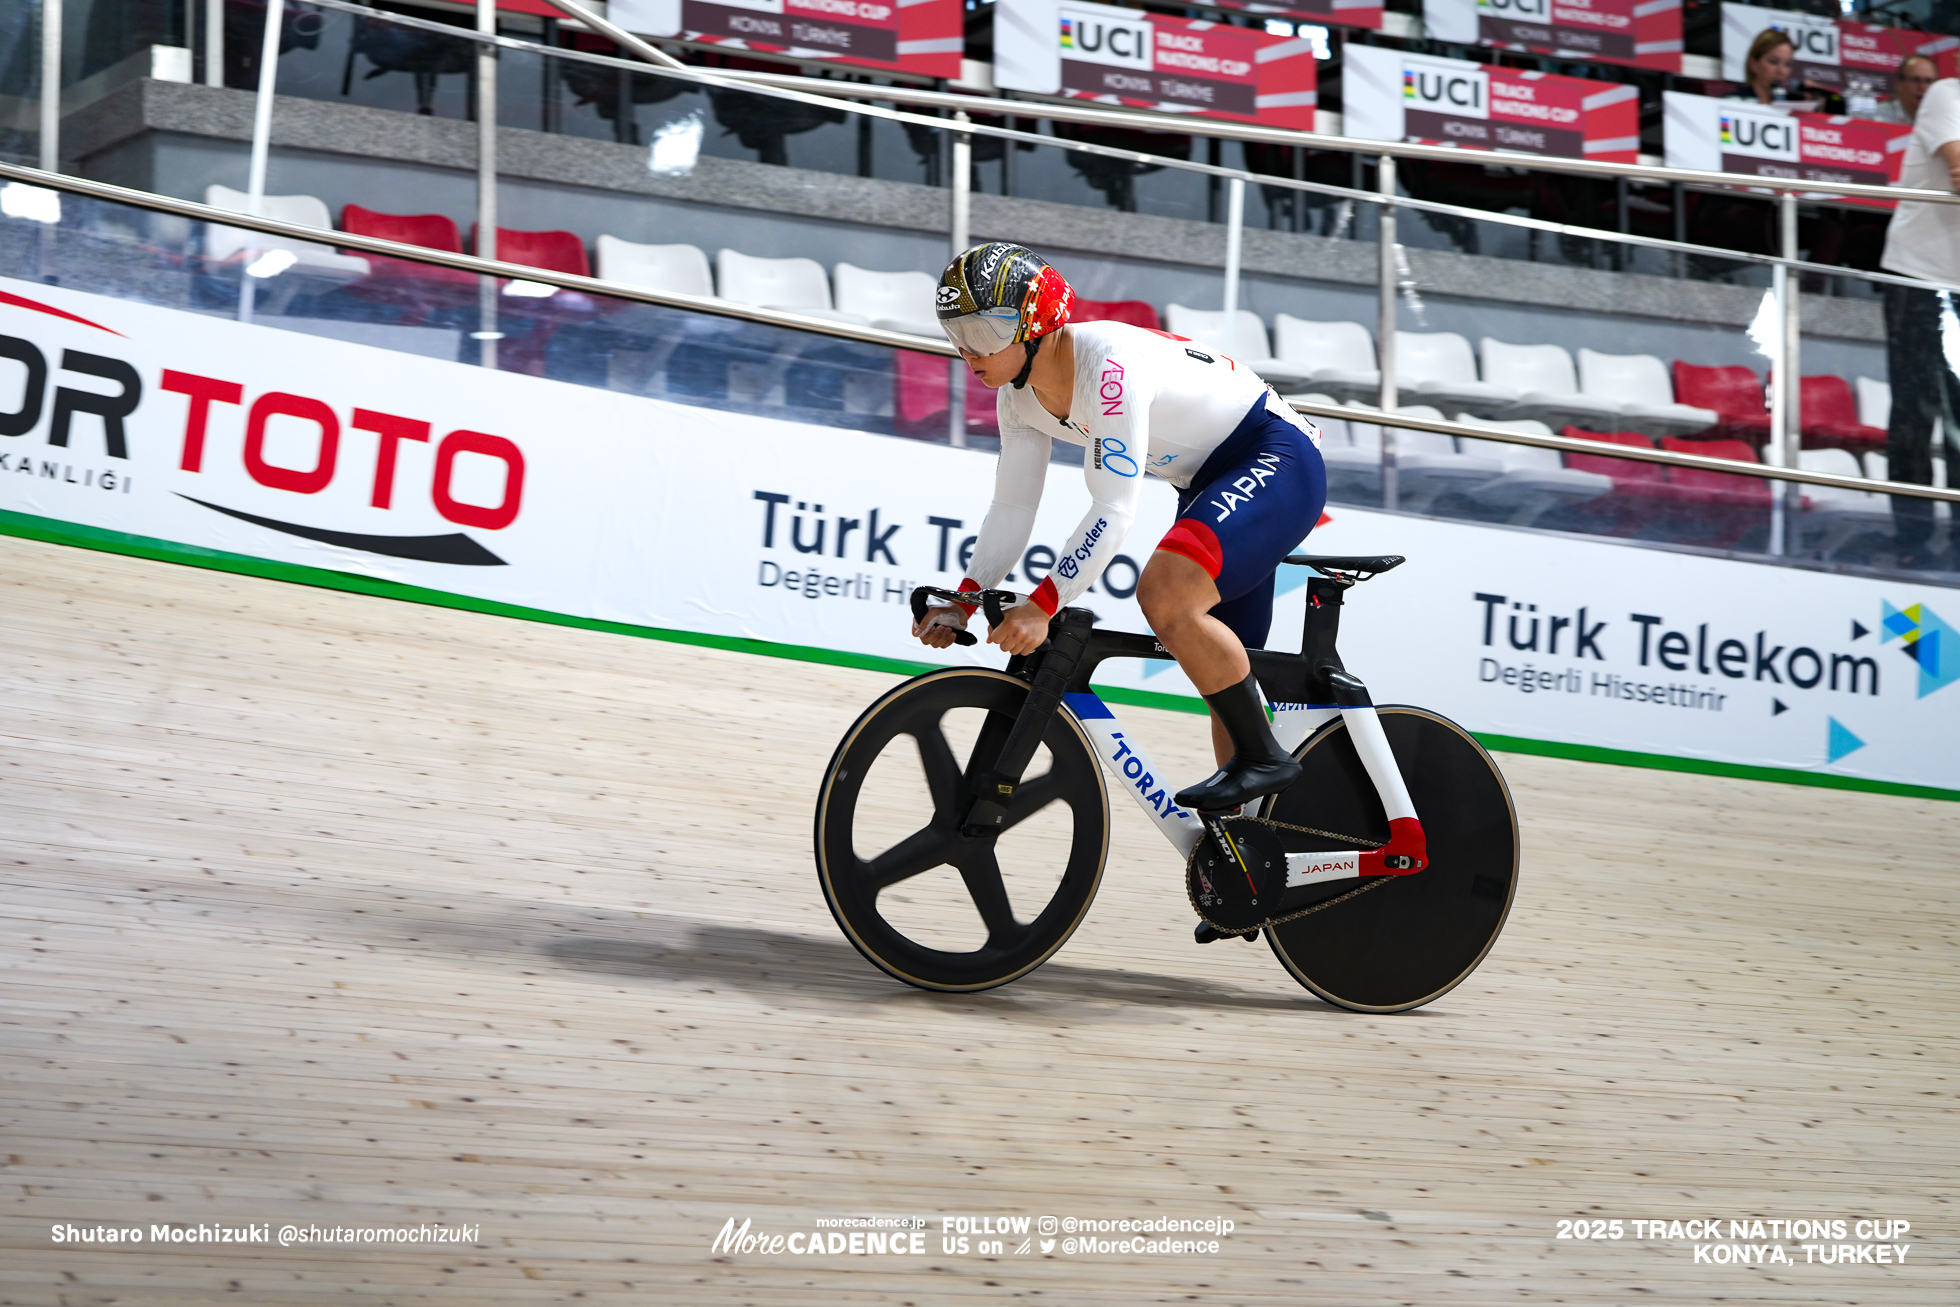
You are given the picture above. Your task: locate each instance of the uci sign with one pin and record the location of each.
(1445, 86)
(1763, 136)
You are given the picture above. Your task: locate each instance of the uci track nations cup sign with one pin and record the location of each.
(1639, 33)
(129, 426)
(1174, 65)
(1394, 96)
(1760, 140)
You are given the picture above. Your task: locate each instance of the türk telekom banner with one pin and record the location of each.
(1125, 56)
(925, 37)
(203, 432)
(1393, 96)
(1640, 33)
(1853, 59)
(1760, 141)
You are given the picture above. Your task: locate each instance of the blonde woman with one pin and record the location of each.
(1766, 72)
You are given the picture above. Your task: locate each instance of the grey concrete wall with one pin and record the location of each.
(177, 139)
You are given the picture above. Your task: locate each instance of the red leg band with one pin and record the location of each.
(1197, 542)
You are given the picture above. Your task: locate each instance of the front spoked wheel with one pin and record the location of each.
(1405, 940)
(931, 906)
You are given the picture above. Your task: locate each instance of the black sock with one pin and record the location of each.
(1244, 715)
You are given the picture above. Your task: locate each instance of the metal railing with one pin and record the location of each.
(1391, 265)
(493, 268)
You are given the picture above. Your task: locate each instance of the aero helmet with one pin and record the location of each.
(998, 295)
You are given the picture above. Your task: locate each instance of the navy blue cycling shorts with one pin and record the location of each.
(1251, 504)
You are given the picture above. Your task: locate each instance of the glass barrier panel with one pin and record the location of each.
(354, 59)
(1625, 357)
(1682, 374)
(20, 83)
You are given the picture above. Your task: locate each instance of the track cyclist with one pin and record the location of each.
(1250, 482)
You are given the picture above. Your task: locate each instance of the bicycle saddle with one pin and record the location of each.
(1355, 567)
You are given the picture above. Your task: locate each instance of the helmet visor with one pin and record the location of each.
(983, 333)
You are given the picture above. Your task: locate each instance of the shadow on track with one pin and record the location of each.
(767, 961)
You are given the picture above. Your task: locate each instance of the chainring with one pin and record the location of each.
(1241, 891)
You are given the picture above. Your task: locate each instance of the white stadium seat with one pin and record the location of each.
(896, 301)
(1427, 463)
(1335, 356)
(680, 269)
(794, 285)
(224, 243)
(1832, 517)
(1874, 402)
(1547, 385)
(1438, 365)
(1535, 480)
(1640, 384)
(1247, 341)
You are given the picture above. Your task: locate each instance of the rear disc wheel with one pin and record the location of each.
(1410, 939)
(920, 900)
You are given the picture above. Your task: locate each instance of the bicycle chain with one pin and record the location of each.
(1357, 892)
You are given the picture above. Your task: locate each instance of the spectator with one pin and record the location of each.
(1909, 87)
(1766, 72)
(1924, 242)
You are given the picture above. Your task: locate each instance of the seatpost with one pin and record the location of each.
(1323, 625)
(993, 790)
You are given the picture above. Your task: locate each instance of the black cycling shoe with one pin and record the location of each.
(1239, 782)
(1258, 767)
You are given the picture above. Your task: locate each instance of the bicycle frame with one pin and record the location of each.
(1306, 690)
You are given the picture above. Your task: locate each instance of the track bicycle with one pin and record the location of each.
(1380, 879)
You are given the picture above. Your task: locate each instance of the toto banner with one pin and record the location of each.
(924, 37)
(1639, 33)
(1853, 59)
(1126, 56)
(1393, 96)
(197, 436)
(1762, 141)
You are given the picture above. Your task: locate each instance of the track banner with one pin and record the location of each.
(1390, 95)
(1857, 60)
(1638, 33)
(1174, 65)
(1761, 140)
(278, 451)
(922, 37)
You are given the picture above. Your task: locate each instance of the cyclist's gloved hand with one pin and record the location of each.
(941, 626)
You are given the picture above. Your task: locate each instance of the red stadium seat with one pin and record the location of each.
(1702, 487)
(529, 323)
(919, 385)
(431, 230)
(1622, 470)
(1830, 418)
(1640, 490)
(1735, 392)
(555, 251)
(1137, 313)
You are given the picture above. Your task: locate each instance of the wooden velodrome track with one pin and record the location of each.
(334, 910)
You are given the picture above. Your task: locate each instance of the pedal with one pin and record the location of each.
(1206, 933)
